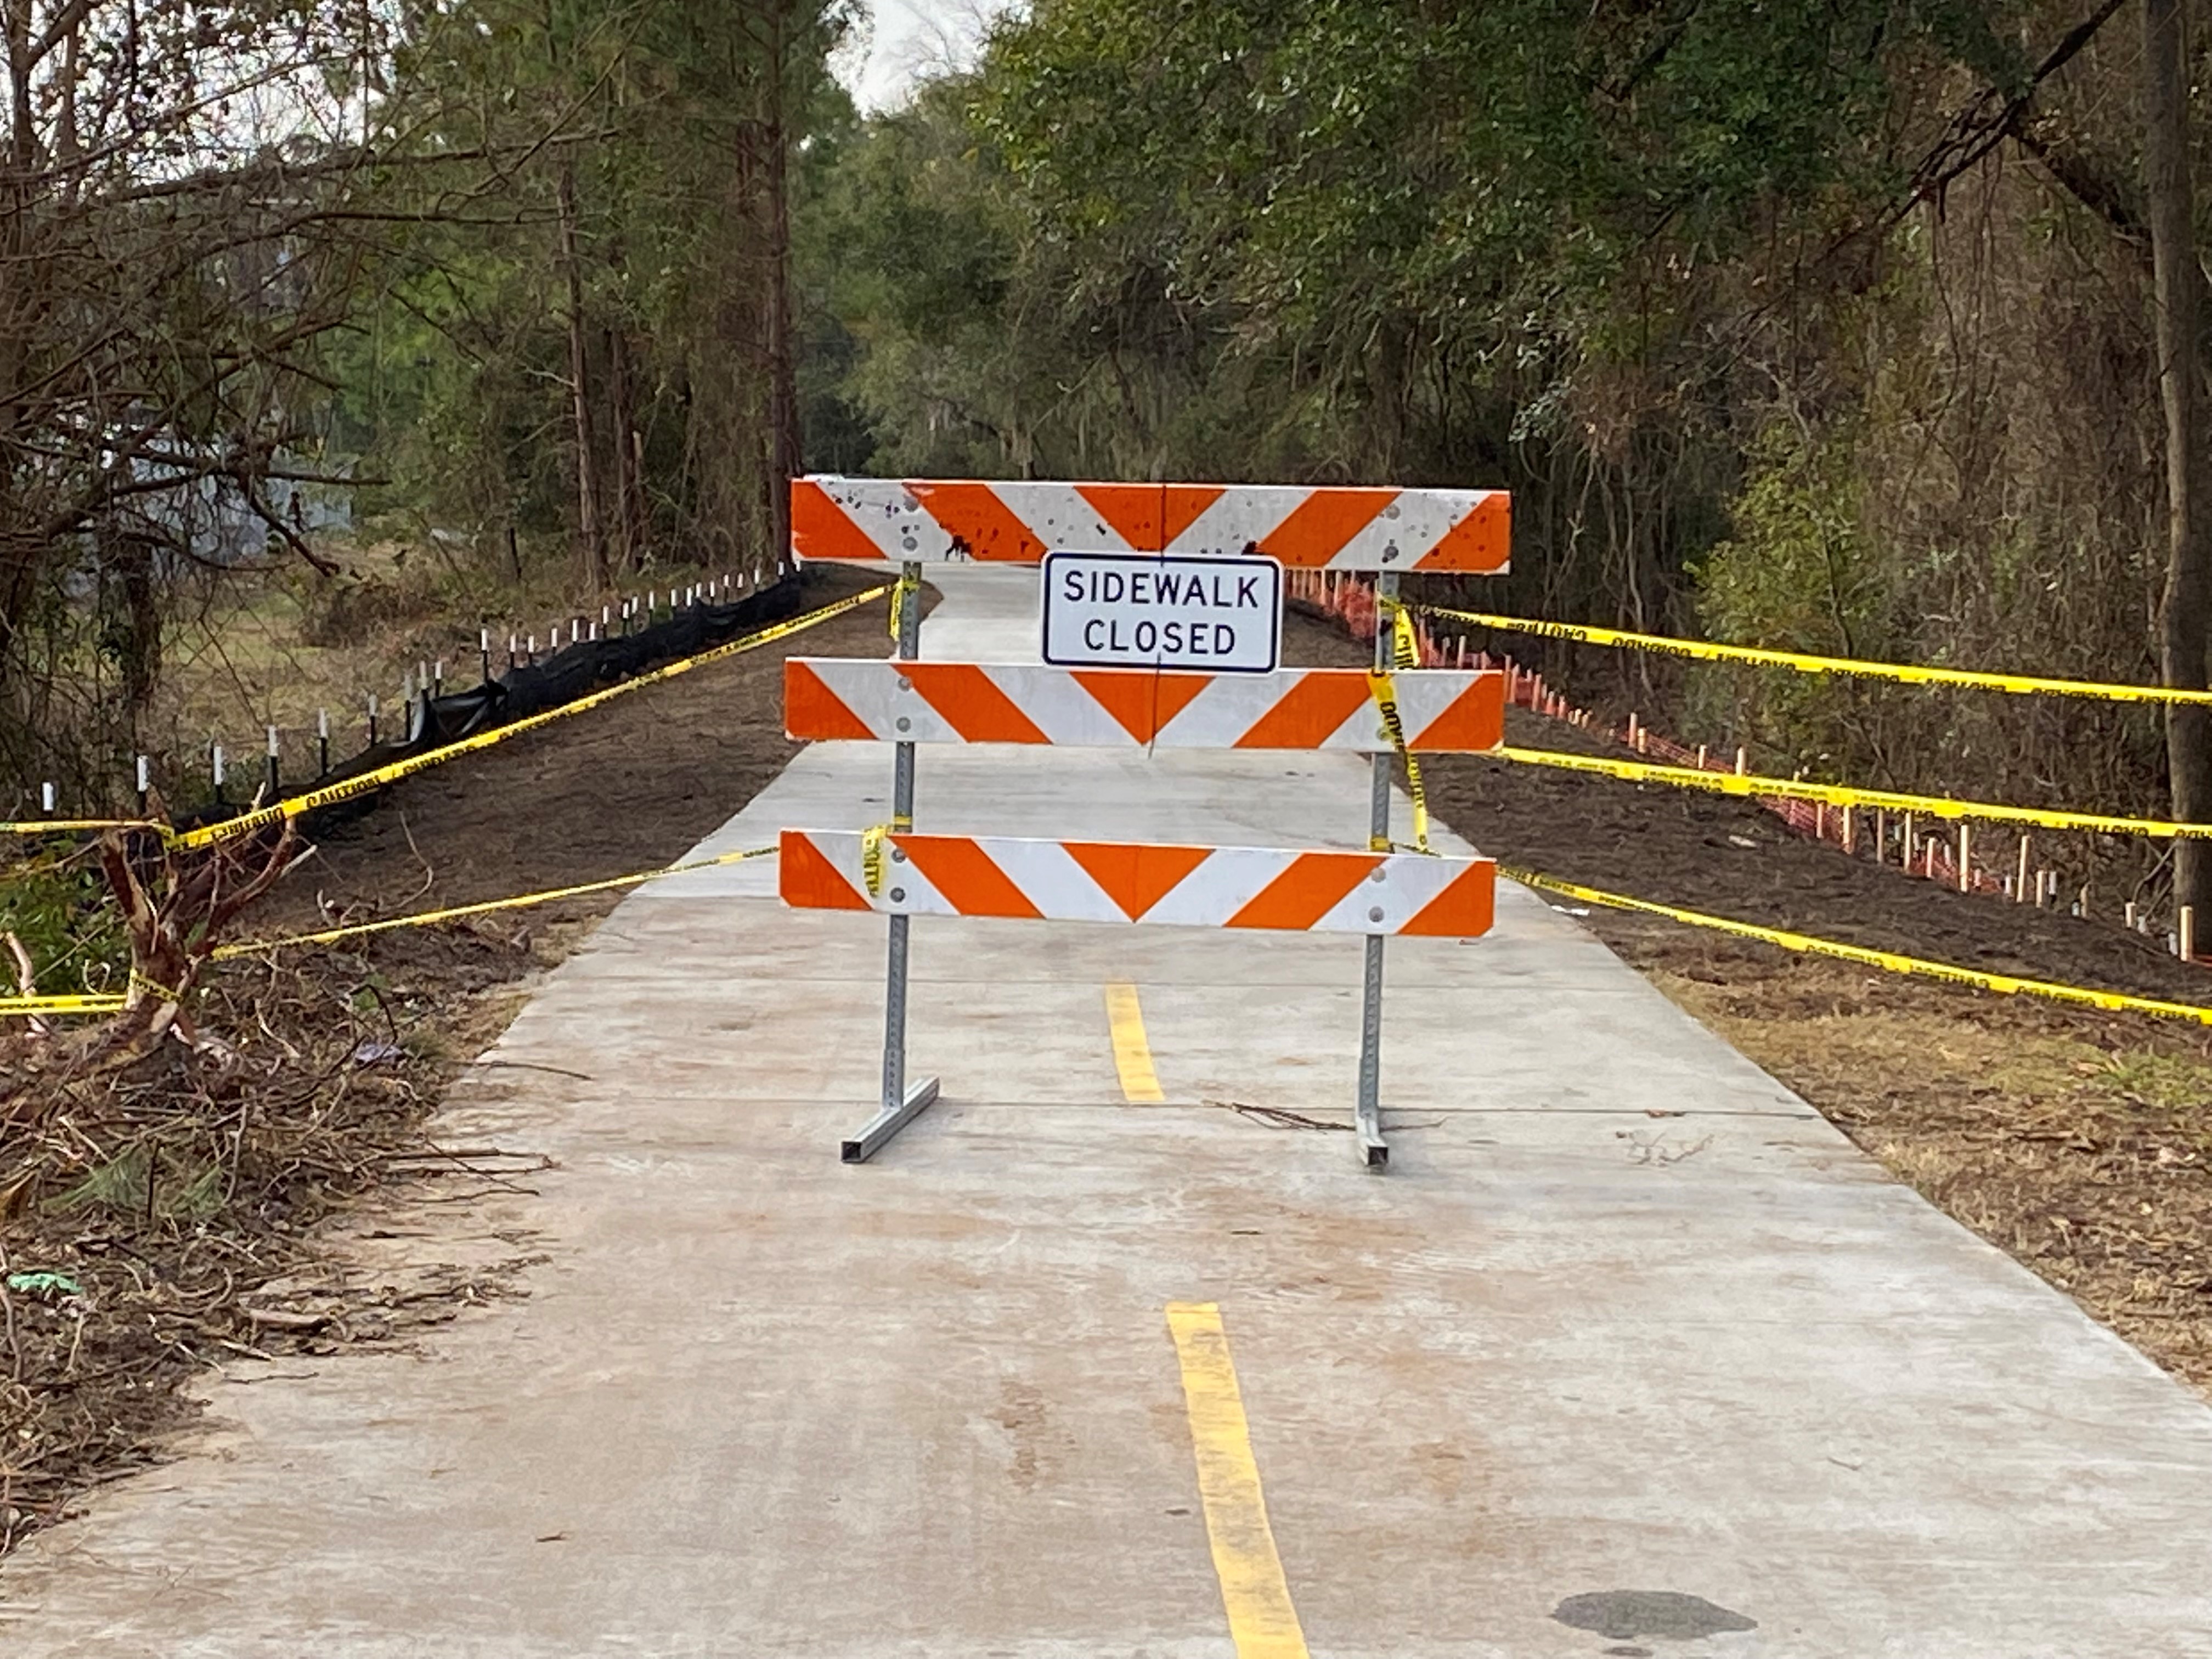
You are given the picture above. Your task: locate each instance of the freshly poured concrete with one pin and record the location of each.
(1624, 1314)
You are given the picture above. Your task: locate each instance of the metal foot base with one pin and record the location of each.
(888, 1122)
(1374, 1150)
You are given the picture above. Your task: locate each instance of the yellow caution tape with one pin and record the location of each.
(1839, 794)
(96, 1002)
(110, 1002)
(42, 826)
(156, 987)
(1405, 644)
(454, 913)
(903, 595)
(1384, 690)
(1888, 961)
(871, 857)
(1404, 653)
(368, 781)
(1909, 673)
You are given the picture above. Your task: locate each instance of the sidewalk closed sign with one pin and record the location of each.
(1155, 611)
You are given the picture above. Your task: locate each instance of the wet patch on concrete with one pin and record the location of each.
(1624, 1615)
(1628, 1653)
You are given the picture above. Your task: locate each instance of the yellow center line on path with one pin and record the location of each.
(1133, 1055)
(1261, 1620)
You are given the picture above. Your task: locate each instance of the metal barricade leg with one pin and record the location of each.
(901, 1105)
(1373, 1148)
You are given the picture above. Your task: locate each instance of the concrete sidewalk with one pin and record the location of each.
(1623, 1315)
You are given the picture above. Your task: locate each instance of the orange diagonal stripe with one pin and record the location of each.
(983, 523)
(820, 529)
(971, 703)
(1320, 526)
(1471, 722)
(1180, 504)
(811, 709)
(1141, 700)
(965, 874)
(1481, 541)
(1462, 910)
(1136, 877)
(1305, 716)
(805, 880)
(1307, 891)
(1133, 510)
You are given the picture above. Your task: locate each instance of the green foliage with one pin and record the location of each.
(1642, 264)
(1350, 239)
(646, 131)
(56, 902)
(120, 1186)
(1798, 573)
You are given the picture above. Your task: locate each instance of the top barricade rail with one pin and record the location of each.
(1333, 527)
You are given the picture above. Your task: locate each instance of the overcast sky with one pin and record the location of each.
(910, 39)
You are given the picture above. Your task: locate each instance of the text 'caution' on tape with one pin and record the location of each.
(293, 806)
(1805, 663)
(1848, 795)
(108, 1003)
(484, 907)
(1888, 960)
(296, 804)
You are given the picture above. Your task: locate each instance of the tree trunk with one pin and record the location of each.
(782, 359)
(139, 626)
(2186, 611)
(591, 529)
(622, 443)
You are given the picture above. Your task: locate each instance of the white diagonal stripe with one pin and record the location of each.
(1053, 880)
(1244, 514)
(1402, 532)
(1228, 881)
(1059, 517)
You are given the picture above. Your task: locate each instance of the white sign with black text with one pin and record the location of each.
(1162, 610)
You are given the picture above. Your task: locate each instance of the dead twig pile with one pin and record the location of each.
(155, 1169)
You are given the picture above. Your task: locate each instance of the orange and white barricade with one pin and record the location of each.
(1397, 709)
(1021, 879)
(1319, 526)
(1441, 711)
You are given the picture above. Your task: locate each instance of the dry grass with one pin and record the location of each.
(2080, 1145)
(275, 647)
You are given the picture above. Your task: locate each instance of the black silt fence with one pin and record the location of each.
(552, 682)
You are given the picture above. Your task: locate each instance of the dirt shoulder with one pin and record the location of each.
(2079, 1142)
(626, 787)
(1729, 857)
